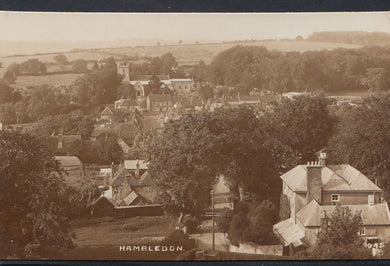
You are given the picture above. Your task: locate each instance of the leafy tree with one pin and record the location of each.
(32, 66)
(126, 91)
(258, 219)
(206, 92)
(7, 94)
(154, 86)
(303, 124)
(199, 73)
(186, 158)
(223, 221)
(104, 150)
(31, 203)
(377, 79)
(95, 66)
(13, 70)
(80, 198)
(61, 59)
(121, 116)
(338, 237)
(362, 138)
(99, 86)
(79, 66)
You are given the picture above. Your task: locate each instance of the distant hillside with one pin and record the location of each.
(184, 53)
(352, 37)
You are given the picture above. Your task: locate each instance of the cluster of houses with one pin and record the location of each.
(312, 190)
(126, 187)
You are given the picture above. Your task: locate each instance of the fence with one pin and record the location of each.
(251, 248)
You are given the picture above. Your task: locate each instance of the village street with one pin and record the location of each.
(203, 240)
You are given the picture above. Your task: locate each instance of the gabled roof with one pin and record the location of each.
(334, 178)
(68, 161)
(377, 214)
(108, 109)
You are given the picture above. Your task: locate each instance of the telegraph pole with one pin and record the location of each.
(213, 216)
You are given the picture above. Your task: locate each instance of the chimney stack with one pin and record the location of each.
(314, 182)
(322, 159)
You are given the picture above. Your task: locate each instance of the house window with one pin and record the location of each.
(371, 199)
(335, 198)
(362, 231)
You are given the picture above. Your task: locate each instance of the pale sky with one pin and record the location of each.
(38, 26)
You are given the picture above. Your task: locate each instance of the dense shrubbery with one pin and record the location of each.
(178, 238)
(223, 221)
(191, 223)
(252, 222)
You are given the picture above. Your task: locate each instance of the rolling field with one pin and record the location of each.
(184, 53)
(51, 80)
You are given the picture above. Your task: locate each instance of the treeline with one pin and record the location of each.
(165, 64)
(248, 67)
(351, 37)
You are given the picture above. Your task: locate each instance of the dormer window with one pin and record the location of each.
(362, 231)
(335, 198)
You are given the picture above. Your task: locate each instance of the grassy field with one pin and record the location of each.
(184, 53)
(100, 239)
(51, 80)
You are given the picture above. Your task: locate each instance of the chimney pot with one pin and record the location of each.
(322, 159)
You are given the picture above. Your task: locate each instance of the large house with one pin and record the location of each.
(314, 190)
(182, 86)
(157, 103)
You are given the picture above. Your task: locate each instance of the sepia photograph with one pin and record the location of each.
(194, 136)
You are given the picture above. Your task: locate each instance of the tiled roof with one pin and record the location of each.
(377, 214)
(119, 177)
(160, 98)
(131, 164)
(127, 102)
(148, 77)
(181, 80)
(334, 178)
(68, 161)
(146, 179)
(129, 199)
(290, 232)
